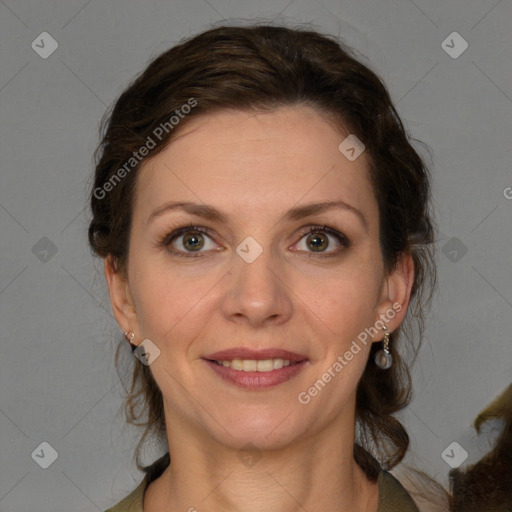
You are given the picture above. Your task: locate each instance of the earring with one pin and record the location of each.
(383, 359)
(129, 335)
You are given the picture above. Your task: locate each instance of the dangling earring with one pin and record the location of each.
(383, 359)
(129, 335)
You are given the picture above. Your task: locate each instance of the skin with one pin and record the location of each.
(254, 167)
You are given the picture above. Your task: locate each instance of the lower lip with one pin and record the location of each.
(257, 380)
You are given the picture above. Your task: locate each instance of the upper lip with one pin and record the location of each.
(248, 353)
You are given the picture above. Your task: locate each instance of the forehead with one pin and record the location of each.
(240, 161)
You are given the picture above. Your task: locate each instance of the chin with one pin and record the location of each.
(265, 431)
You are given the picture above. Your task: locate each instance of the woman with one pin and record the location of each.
(266, 232)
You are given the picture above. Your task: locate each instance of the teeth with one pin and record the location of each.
(249, 365)
(278, 363)
(252, 365)
(236, 364)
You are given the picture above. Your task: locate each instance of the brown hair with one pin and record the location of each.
(261, 68)
(487, 485)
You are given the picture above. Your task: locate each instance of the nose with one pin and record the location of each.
(257, 293)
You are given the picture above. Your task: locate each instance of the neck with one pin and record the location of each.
(315, 473)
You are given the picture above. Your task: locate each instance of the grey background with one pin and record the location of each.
(58, 383)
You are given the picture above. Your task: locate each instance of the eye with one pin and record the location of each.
(318, 239)
(193, 241)
(189, 241)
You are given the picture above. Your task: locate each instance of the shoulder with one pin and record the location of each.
(133, 502)
(428, 494)
(393, 497)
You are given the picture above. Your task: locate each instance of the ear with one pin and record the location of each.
(396, 294)
(120, 297)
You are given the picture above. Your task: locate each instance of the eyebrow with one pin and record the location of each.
(297, 213)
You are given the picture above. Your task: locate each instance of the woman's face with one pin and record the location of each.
(252, 277)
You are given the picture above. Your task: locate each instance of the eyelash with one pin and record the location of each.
(167, 240)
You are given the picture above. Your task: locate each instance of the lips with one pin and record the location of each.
(273, 366)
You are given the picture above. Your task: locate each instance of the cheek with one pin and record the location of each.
(342, 300)
(168, 304)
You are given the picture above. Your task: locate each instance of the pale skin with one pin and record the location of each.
(255, 167)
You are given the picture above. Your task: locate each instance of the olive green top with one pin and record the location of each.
(392, 495)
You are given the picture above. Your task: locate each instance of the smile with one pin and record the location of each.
(272, 373)
(253, 365)
(254, 369)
